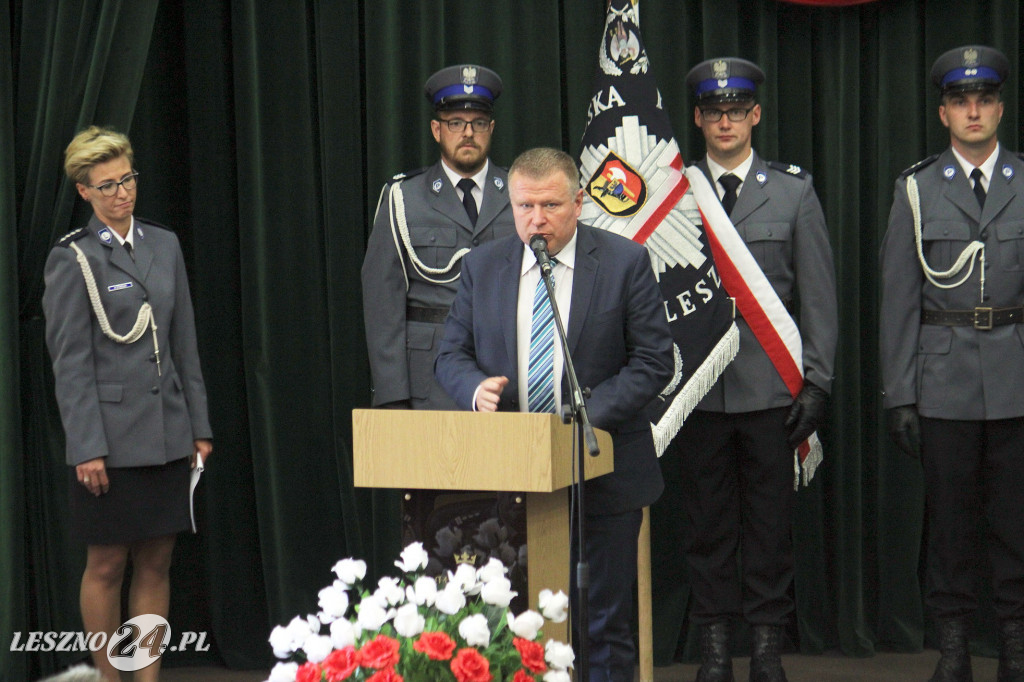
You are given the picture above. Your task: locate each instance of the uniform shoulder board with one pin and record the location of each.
(788, 169)
(66, 240)
(152, 223)
(406, 175)
(919, 165)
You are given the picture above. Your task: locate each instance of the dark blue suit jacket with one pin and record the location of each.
(618, 337)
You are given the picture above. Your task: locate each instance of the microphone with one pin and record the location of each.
(540, 250)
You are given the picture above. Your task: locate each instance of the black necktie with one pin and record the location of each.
(730, 182)
(128, 248)
(979, 189)
(467, 185)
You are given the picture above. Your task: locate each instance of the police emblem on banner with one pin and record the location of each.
(622, 48)
(617, 188)
(635, 186)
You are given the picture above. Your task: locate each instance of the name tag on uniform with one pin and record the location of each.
(116, 287)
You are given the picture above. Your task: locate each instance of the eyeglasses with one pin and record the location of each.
(109, 189)
(735, 115)
(457, 125)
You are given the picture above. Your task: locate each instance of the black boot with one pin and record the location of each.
(955, 660)
(1011, 651)
(715, 660)
(765, 662)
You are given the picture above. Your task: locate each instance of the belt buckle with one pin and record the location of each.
(979, 319)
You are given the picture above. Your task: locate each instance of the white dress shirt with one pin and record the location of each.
(529, 276)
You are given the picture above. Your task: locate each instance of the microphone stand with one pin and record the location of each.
(578, 409)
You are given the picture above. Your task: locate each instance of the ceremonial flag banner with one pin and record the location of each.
(635, 186)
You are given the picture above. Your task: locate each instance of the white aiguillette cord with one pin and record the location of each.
(144, 320)
(971, 251)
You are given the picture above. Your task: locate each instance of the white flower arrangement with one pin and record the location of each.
(412, 628)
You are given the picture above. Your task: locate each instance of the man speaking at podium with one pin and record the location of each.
(500, 352)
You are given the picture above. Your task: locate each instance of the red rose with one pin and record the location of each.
(308, 672)
(532, 654)
(386, 675)
(380, 652)
(437, 645)
(469, 666)
(340, 663)
(523, 676)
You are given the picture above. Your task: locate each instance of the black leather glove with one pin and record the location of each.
(905, 429)
(806, 413)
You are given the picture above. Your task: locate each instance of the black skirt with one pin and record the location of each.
(142, 503)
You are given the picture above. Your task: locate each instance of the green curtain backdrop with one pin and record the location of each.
(264, 130)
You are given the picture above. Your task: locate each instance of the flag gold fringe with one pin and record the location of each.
(696, 388)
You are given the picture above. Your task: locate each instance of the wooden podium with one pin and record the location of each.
(500, 451)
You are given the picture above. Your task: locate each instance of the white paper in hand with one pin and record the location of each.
(197, 470)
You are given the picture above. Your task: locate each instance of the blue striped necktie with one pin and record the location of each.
(540, 386)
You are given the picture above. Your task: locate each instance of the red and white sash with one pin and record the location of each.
(758, 303)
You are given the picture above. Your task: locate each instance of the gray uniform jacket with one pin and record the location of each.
(112, 402)
(779, 217)
(954, 372)
(402, 351)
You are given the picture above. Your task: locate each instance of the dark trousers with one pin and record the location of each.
(612, 555)
(738, 492)
(974, 471)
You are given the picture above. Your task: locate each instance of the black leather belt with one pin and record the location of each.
(979, 318)
(431, 315)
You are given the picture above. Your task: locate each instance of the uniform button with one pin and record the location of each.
(476, 242)
(946, 232)
(154, 390)
(152, 358)
(770, 233)
(145, 297)
(984, 233)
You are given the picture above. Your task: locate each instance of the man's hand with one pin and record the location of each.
(806, 414)
(905, 429)
(488, 394)
(93, 475)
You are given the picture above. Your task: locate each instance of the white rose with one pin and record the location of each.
(333, 601)
(558, 655)
(414, 558)
(553, 605)
(372, 615)
(408, 621)
(526, 625)
(389, 592)
(474, 630)
(491, 570)
(557, 676)
(284, 672)
(317, 647)
(450, 600)
(281, 642)
(498, 592)
(343, 633)
(300, 629)
(423, 592)
(350, 570)
(465, 578)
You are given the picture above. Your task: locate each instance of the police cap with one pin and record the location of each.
(970, 67)
(726, 79)
(464, 86)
